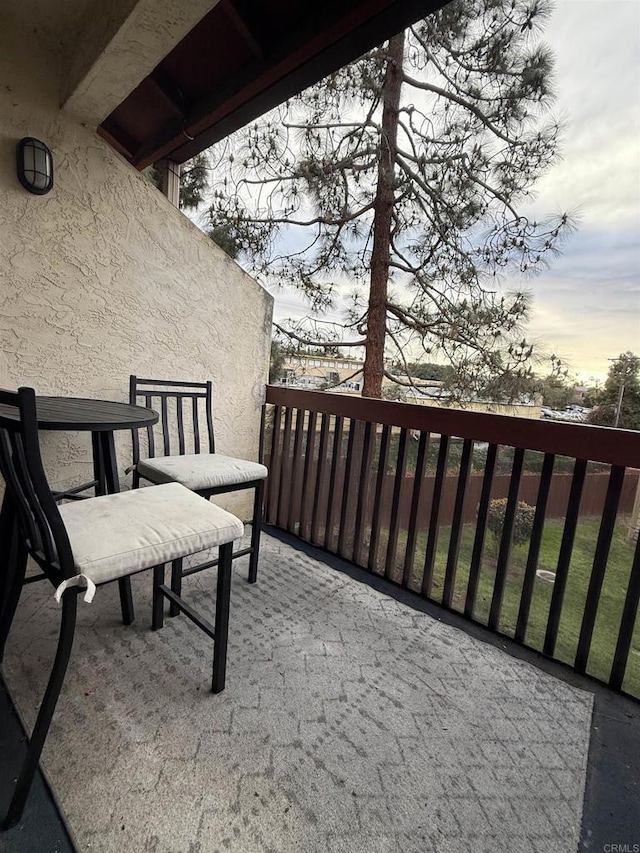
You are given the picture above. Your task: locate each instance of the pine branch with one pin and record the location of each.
(346, 379)
(290, 334)
(451, 96)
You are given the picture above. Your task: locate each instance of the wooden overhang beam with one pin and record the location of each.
(241, 26)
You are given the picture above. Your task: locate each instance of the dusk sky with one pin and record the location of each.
(587, 306)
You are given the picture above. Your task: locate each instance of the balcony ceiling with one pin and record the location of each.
(240, 60)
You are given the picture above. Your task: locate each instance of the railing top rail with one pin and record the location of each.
(580, 441)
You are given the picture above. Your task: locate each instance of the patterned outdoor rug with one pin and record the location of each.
(350, 722)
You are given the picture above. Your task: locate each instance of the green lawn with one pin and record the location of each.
(611, 600)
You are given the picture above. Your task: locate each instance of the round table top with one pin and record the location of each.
(78, 413)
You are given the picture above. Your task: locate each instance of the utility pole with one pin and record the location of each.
(619, 404)
(620, 396)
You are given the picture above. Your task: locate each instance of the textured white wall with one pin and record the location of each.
(102, 277)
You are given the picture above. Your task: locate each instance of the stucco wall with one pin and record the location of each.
(102, 277)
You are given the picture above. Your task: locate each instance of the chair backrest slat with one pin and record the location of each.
(21, 466)
(212, 446)
(166, 439)
(151, 447)
(173, 428)
(180, 416)
(135, 438)
(196, 426)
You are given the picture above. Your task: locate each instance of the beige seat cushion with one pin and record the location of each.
(116, 535)
(199, 471)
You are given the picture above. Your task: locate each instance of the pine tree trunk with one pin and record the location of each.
(382, 221)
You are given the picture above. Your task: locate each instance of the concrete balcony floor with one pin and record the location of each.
(351, 722)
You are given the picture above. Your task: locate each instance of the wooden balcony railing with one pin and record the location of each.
(408, 492)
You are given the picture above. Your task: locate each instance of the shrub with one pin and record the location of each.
(522, 522)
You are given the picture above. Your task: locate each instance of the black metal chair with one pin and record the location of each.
(84, 544)
(186, 426)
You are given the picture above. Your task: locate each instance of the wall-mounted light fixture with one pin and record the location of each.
(35, 165)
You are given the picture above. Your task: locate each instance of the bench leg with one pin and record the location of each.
(45, 715)
(256, 527)
(176, 585)
(126, 601)
(157, 613)
(221, 627)
(16, 565)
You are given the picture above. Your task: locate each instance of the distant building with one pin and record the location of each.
(320, 372)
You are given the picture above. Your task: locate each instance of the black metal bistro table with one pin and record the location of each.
(71, 414)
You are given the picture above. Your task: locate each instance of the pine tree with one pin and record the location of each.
(618, 404)
(401, 174)
(194, 181)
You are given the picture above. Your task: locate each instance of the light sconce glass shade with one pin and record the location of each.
(34, 165)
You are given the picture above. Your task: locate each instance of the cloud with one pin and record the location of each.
(597, 53)
(587, 306)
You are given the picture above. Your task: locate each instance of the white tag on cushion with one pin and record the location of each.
(78, 580)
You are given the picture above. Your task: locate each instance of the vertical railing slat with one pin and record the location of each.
(383, 456)
(627, 623)
(456, 525)
(412, 532)
(295, 482)
(535, 542)
(285, 468)
(336, 458)
(363, 488)
(603, 546)
(307, 492)
(564, 557)
(322, 455)
(343, 528)
(392, 544)
(481, 529)
(505, 540)
(434, 527)
(273, 481)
